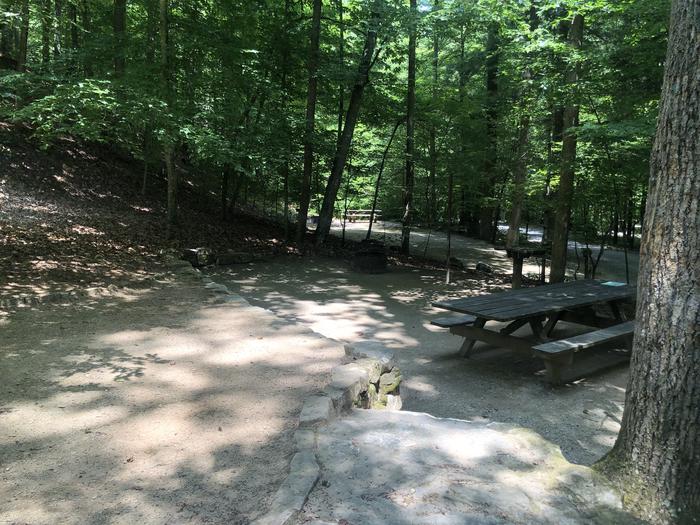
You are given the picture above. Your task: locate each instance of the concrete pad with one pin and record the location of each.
(409, 468)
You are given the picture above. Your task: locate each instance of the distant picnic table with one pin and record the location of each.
(541, 308)
(362, 215)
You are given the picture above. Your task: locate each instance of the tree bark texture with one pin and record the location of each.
(311, 96)
(119, 27)
(519, 181)
(486, 212)
(167, 94)
(351, 116)
(565, 193)
(657, 453)
(409, 177)
(23, 36)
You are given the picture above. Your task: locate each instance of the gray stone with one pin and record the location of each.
(316, 411)
(483, 267)
(198, 257)
(373, 368)
(350, 377)
(340, 397)
(393, 402)
(292, 494)
(217, 288)
(305, 438)
(373, 350)
(390, 381)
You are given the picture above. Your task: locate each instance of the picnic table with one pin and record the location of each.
(541, 308)
(519, 254)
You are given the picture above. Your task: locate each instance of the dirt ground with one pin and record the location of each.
(154, 405)
(582, 418)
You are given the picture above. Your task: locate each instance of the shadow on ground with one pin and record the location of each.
(158, 406)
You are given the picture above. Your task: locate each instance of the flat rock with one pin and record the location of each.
(316, 410)
(372, 350)
(350, 377)
(402, 467)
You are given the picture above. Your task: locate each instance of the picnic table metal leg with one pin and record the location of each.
(468, 344)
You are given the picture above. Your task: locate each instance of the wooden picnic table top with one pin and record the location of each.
(526, 303)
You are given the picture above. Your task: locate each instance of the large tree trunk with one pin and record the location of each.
(657, 455)
(119, 27)
(311, 96)
(409, 177)
(351, 116)
(487, 209)
(565, 193)
(23, 36)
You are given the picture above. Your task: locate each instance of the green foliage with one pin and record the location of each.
(239, 88)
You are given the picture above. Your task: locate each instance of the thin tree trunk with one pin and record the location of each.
(432, 146)
(311, 95)
(379, 178)
(87, 29)
(58, 27)
(167, 93)
(73, 15)
(46, 29)
(655, 458)
(521, 163)
(560, 233)
(351, 116)
(341, 65)
(513, 235)
(23, 36)
(487, 209)
(409, 180)
(119, 28)
(284, 168)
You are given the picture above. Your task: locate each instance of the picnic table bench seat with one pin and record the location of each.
(454, 320)
(558, 354)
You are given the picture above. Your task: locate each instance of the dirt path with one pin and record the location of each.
(324, 294)
(156, 405)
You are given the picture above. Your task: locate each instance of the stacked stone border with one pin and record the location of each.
(370, 379)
